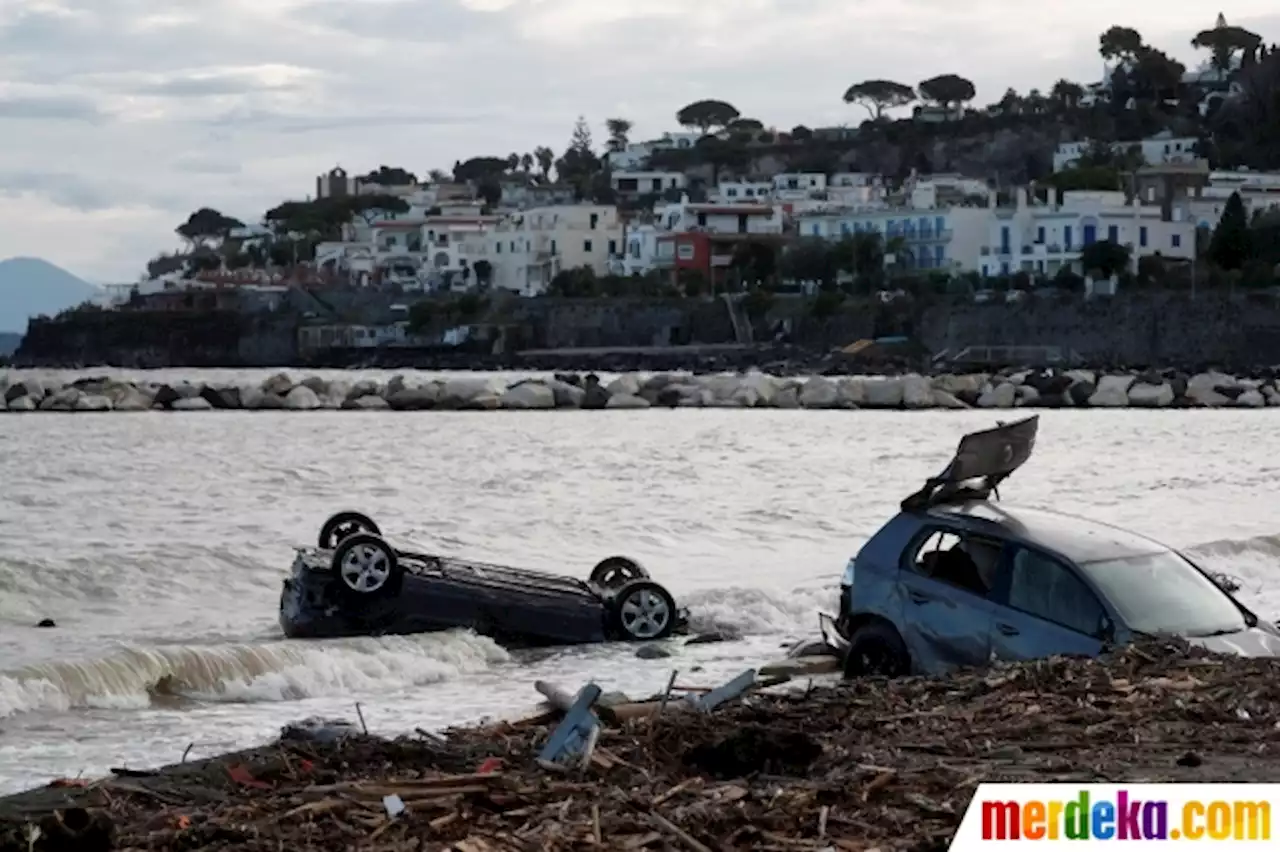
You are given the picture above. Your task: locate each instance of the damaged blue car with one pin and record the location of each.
(960, 578)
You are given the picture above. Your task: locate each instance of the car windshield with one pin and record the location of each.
(1164, 593)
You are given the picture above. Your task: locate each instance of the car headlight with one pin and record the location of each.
(847, 578)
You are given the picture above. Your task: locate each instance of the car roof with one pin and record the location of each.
(1079, 539)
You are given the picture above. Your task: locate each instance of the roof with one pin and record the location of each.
(1079, 539)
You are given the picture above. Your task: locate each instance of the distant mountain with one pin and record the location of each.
(9, 343)
(30, 287)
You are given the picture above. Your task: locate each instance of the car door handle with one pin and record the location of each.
(917, 597)
(1008, 629)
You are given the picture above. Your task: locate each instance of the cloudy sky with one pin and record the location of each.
(119, 117)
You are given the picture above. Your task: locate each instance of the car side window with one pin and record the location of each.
(1045, 588)
(960, 559)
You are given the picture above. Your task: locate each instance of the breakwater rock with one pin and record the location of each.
(1025, 389)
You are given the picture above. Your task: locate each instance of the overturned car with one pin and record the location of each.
(354, 583)
(959, 579)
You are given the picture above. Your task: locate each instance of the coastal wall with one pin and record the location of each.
(1236, 331)
(1141, 328)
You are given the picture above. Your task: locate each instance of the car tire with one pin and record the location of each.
(617, 571)
(876, 650)
(345, 524)
(642, 611)
(366, 566)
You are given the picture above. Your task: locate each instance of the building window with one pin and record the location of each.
(702, 220)
(586, 246)
(1177, 240)
(1113, 233)
(1040, 235)
(1066, 237)
(613, 247)
(553, 247)
(685, 251)
(731, 192)
(595, 220)
(497, 248)
(1142, 236)
(817, 229)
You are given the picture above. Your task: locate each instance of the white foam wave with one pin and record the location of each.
(755, 611)
(275, 671)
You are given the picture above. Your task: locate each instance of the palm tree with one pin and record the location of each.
(546, 159)
(526, 162)
(618, 129)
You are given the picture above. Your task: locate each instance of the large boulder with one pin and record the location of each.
(17, 391)
(566, 395)
(528, 395)
(301, 398)
(627, 385)
(278, 385)
(594, 396)
(819, 392)
(468, 392)
(883, 393)
(221, 398)
(1001, 395)
(64, 399)
(407, 398)
(92, 402)
(1112, 392)
(944, 399)
(364, 387)
(626, 400)
(1251, 399)
(972, 383)
(1144, 395)
(21, 403)
(1207, 388)
(366, 403)
(194, 403)
(917, 392)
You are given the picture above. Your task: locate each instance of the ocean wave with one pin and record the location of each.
(135, 677)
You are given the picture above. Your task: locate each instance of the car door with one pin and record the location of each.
(1045, 608)
(946, 623)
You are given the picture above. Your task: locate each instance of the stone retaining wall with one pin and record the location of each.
(1026, 389)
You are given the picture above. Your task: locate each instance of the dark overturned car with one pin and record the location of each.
(957, 579)
(354, 583)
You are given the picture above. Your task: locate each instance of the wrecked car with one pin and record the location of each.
(354, 583)
(961, 578)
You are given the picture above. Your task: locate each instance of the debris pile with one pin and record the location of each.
(868, 764)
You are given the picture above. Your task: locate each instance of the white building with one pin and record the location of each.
(635, 184)
(743, 218)
(1259, 191)
(1162, 149)
(635, 156)
(639, 250)
(931, 238)
(1043, 238)
(529, 249)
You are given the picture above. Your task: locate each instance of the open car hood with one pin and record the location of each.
(981, 462)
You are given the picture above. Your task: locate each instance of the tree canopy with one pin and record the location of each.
(390, 176)
(1224, 43)
(877, 96)
(706, 115)
(1105, 258)
(479, 168)
(1232, 243)
(947, 90)
(323, 218)
(206, 226)
(1122, 43)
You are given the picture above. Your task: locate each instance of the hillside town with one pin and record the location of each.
(1157, 175)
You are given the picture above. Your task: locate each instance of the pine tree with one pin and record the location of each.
(1231, 246)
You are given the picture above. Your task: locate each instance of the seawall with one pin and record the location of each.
(23, 392)
(1227, 330)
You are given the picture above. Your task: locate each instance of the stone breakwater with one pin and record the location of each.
(1024, 389)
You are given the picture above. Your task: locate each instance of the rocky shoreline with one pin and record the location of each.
(1006, 389)
(867, 764)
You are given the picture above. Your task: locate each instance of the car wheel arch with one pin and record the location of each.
(866, 619)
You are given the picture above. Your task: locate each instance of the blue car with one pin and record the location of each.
(959, 578)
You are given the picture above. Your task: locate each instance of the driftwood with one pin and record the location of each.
(866, 764)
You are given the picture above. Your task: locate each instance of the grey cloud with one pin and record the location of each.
(62, 188)
(53, 107)
(208, 86)
(206, 164)
(422, 21)
(258, 119)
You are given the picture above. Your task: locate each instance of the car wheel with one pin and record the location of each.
(876, 650)
(643, 611)
(344, 525)
(616, 571)
(366, 565)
